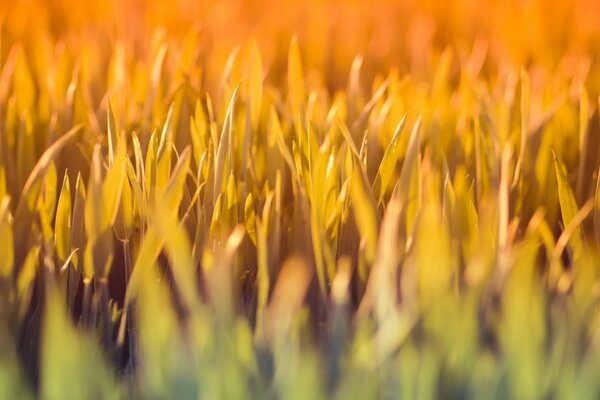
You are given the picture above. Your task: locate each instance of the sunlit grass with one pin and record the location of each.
(422, 226)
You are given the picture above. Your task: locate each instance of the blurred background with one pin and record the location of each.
(401, 34)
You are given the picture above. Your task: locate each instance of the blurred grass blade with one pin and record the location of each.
(6, 237)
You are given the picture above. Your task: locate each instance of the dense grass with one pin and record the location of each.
(166, 232)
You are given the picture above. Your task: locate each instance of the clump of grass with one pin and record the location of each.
(430, 237)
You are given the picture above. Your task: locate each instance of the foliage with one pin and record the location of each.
(274, 237)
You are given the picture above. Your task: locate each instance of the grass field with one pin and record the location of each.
(299, 200)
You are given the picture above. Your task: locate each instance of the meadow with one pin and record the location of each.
(300, 200)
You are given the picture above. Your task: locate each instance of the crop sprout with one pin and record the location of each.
(192, 211)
